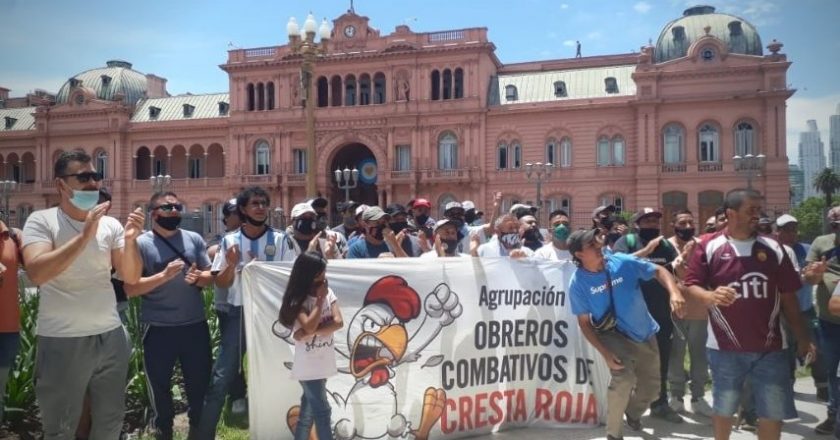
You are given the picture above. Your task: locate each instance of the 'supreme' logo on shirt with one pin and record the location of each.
(751, 285)
(598, 289)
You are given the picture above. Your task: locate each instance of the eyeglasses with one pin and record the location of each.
(169, 207)
(85, 177)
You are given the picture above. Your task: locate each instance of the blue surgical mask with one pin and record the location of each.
(85, 200)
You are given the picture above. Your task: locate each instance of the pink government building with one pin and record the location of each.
(434, 115)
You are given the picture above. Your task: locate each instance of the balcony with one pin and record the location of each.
(673, 167)
(709, 167)
(452, 175)
(177, 184)
(402, 175)
(295, 179)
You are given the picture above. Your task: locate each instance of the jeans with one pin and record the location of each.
(314, 406)
(9, 346)
(228, 365)
(830, 345)
(773, 399)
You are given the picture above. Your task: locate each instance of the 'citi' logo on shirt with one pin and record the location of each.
(753, 284)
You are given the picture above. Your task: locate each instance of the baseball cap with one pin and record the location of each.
(646, 212)
(785, 219)
(443, 222)
(229, 207)
(348, 205)
(580, 238)
(834, 215)
(361, 209)
(395, 209)
(467, 205)
(318, 202)
(373, 214)
(419, 202)
(597, 212)
(521, 210)
(302, 208)
(453, 205)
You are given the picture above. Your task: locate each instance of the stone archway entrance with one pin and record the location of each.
(358, 156)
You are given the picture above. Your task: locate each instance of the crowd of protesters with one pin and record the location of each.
(737, 298)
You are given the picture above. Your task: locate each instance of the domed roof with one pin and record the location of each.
(106, 82)
(737, 34)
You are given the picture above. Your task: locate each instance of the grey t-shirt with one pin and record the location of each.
(174, 302)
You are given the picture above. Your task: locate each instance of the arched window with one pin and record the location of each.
(562, 201)
(614, 199)
(269, 96)
(323, 91)
(502, 156)
(517, 155)
(565, 153)
(102, 163)
(442, 201)
(350, 90)
(618, 151)
(459, 83)
(435, 85)
(260, 96)
(603, 152)
(262, 157)
(447, 151)
(250, 97)
(560, 89)
(510, 93)
(335, 91)
(379, 88)
(364, 89)
(142, 164)
(610, 85)
(447, 84)
(708, 143)
(672, 142)
(551, 153)
(745, 139)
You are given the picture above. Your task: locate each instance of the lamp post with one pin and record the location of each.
(346, 176)
(538, 172)
(302, 42)
(750, 165)
(160, 183)
(279, 218)
(198, 222)
(6, 188)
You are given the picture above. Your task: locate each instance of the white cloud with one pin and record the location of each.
(564, 6)
(799, 111)
(570, 43)
(642, 7)
(757, 12)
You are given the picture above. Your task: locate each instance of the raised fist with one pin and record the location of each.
(443, 304)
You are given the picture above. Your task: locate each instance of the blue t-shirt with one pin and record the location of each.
(590, 295)
(174, 302)
(363, 249)
(805, 294)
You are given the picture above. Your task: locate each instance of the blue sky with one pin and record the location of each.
(47, 41)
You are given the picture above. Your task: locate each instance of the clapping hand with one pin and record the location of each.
(193, 275)
(134, 224)
(173, 268)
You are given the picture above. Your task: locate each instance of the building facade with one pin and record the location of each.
(811, 157)
(433, 115)
(797, 185)
(834, 140)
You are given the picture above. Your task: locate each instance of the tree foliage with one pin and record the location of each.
(810, 215)
(827, 182)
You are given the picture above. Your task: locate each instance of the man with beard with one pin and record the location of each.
(253, 241)
(507, 241)
(446, 241)
(690, 331)
(175, 270)
(557, 249)
(650, 245)
(530, 232)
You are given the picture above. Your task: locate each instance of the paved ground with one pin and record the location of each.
(811, 413)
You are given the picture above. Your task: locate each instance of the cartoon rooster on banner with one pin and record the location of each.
(380, 338)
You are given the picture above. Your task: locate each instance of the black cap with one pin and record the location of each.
(229, 207)
(395, 209)
(580, 238)
(597, 212)
(318, 202)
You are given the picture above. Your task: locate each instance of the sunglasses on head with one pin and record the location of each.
(85, 177)
(169, 207)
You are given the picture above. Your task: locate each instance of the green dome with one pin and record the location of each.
(737, 34)
(107, 82)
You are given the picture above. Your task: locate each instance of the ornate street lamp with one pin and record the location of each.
(347, 176)
(160, 183)
(7, 187)
(749, 165)
(302, 42)
(279, 219)
(538, 172)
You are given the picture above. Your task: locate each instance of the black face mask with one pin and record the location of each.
(532, 235)
(613, 237)
(684, 234)
(608, 222)
(376, 232)
(169, 223)
(321, 222)
(469, 216)
(398, 226)
(421, 220)
(253, 221)
(450, 246)
(648, 234)
(305, 226)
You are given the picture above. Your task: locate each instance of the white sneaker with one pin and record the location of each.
(239, 406)
(702, 407)
(676, 404)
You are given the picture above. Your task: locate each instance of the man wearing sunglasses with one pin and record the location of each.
(69, 251)
(175, 269)
(255, 240)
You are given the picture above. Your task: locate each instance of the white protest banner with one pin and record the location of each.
(441, 348)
